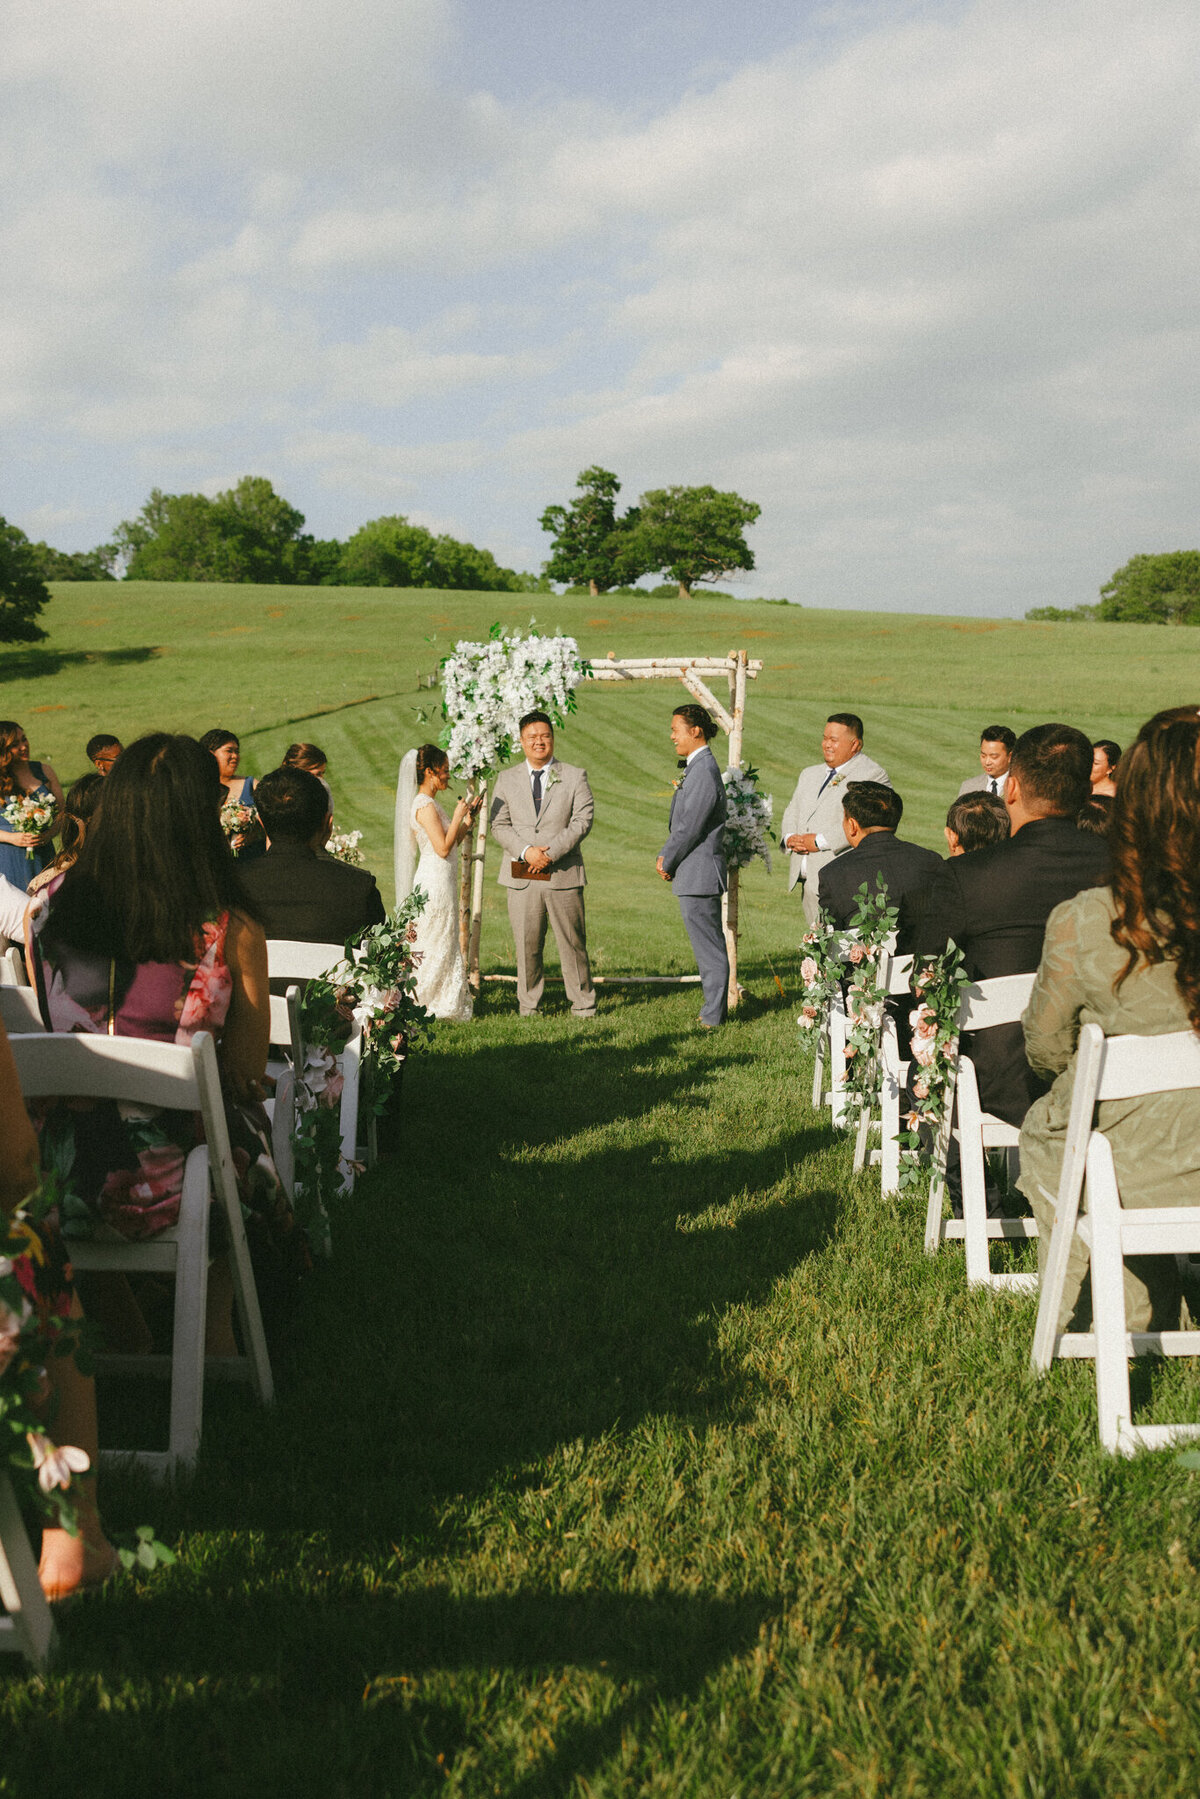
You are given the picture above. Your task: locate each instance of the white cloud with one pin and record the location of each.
(924, 290)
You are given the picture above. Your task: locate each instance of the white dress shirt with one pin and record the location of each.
(544, 771)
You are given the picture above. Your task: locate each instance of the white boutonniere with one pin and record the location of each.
(553, 779)
(836, 781)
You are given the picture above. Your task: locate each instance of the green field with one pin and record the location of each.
(341, 666)
(630, 1444)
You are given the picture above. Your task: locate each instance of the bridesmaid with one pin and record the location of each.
(20, 777)
(226, 751)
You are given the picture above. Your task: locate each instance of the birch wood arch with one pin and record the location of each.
(696, 673)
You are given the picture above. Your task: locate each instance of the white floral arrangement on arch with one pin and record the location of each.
(488, 687)
(343, 846)
(748, 818)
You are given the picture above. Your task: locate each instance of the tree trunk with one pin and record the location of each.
(685, 591)
(594, 589)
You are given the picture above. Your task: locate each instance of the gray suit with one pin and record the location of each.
(694, 857)
(979, 784)
(816, 807)
(561, 824)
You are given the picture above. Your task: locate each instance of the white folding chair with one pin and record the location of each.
(1107, 1069)
(984, 1004)
(895, 974)
(831, 1037)
(28, 1628)
(13, 972)
(19, 1010)
(182, 1078)
(289, 960)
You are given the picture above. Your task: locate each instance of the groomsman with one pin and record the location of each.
(541, 813)
(693, 857)
(996, 746)
(812, 825)
(876, 858)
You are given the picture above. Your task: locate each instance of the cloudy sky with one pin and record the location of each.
(919, 278)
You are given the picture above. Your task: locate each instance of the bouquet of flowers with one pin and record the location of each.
(486, 687)
(747, 820)
(26, 812)
(241, 824)
(343, 847)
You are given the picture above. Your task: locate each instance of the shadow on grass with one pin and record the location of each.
(399, 1676)
(547, 1259)
(32, 664)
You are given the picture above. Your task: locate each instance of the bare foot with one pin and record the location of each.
(71, 1565)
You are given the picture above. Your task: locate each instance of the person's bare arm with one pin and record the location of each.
(444, 841)
(247, 1034)
(18, 1139)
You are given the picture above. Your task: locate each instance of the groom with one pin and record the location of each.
(693, 857)
(541, 813)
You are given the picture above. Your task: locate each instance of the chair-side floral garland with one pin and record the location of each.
(937, 984)
(39, 1469)
(375, 986)
(851, 957)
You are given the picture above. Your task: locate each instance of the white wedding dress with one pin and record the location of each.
(441, 978)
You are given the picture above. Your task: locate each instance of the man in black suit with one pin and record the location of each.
(870, 814)
(994, 903)
(299, 893)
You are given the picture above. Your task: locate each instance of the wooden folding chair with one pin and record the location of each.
(182, 1078)
(984, 1004)
(28, 1628)
(895, 974)
(290, 960)
(1106, 1069)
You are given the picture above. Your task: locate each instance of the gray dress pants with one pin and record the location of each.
(702, 919)
(530, 909)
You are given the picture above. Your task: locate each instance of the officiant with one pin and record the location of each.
(541, 812)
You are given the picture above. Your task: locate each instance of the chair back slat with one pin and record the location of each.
(290, 960)
(156, 1074)
(1001, 1000)
(1136, 1066)
(19, 1010)
(895, 973)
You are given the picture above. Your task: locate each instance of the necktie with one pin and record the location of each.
(825, 782)
(537, 790)
(993, 785)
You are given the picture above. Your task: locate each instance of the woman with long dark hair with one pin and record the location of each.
(23, 852)
(1127, 957)
(151, 935)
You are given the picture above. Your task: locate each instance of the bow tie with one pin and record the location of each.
(682, 762)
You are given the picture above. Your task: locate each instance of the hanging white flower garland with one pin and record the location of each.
(487, 687)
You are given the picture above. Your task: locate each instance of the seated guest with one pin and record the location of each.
(871, 813)
(86, 1559)
(994, 903)
(151, 935)
(995, 755)
(102, 751)
(1105, 756)
(299, 893)
(1126, 956)
(1095, 815)
(313, 760)
(974, 822)
(81, 802)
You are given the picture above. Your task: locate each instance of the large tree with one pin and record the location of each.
(23, 593)
(247, 533)
(74, 565)
(693, 534)
(1159, 590)
(391, 552)
(592, 546)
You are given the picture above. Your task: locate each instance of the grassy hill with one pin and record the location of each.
(342, 666)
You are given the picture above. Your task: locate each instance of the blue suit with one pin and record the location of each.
(694, 857)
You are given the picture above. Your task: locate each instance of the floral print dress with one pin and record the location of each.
(121, 1165)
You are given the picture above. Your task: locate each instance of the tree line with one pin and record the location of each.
(1149, 590)
(250, 533)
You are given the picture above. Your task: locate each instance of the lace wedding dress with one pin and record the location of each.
(441, 978)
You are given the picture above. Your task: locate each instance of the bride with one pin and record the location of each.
(424, 831)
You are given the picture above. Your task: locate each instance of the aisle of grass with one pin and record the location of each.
(632, 1446)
